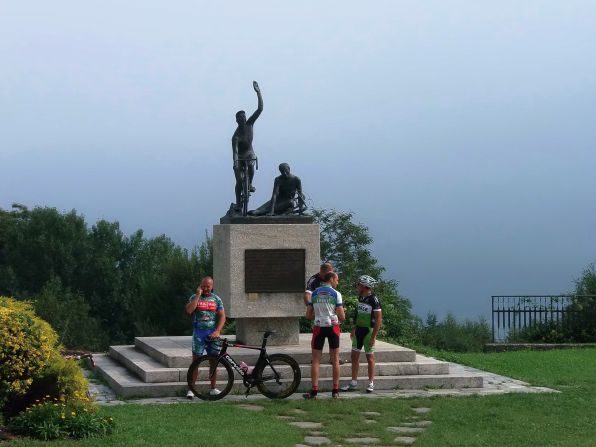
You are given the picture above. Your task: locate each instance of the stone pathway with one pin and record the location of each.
(406, 431)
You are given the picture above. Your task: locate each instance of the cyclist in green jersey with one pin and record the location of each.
(367, 322)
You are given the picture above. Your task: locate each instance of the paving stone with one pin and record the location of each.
(301, 445)
(370, 421)
(371, 413)
(285, 418)
(417, 424)
(307, 424)
(251, 407)
(362, 440)
(421, 410)
(298, 411)
(404, 440)
(317, 440)
(405, 429)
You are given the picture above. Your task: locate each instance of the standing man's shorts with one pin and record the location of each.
(202, 342)
(361, 339)
(319, 334)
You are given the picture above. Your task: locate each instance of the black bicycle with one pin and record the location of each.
(211, 377)
(245, 192)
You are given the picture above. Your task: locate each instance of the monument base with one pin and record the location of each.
(250, 331)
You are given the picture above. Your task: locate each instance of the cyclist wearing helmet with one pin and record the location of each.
(367, 322)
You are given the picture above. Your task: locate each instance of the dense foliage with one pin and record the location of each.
(26, 347)
(347, 245)
(31, 366)
(95, 285)
(454, 336)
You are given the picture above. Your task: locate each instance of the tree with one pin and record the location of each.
(346, 244)
(96, 285)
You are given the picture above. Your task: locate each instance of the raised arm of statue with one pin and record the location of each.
(257, 113)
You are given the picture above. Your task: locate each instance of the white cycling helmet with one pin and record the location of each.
(367, 281)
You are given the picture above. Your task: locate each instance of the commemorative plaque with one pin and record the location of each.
(275, 270)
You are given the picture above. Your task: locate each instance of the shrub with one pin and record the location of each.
(26, 346)
(54, 418)
(60, 379)
(451, 335)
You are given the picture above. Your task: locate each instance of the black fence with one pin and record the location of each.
(511, 315)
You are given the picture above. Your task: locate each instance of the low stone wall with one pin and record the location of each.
(502, 347)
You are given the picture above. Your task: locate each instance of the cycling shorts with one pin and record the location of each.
(362, 336)
(319, 334)
(202, 342)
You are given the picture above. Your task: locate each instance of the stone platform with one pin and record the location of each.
(156, 367)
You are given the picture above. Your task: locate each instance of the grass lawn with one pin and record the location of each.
(563, 419)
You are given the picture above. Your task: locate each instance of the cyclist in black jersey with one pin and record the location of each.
(315, 280)
(367, 322)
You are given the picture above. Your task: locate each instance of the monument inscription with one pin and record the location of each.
(274, 270)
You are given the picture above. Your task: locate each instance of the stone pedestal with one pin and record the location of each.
(259, 310)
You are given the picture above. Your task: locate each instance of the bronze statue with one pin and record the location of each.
(242, 150)
(287, 197)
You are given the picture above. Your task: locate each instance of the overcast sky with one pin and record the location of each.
(462, 133)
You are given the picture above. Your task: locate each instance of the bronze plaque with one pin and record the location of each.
(279, 270)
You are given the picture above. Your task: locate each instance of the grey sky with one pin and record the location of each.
(461, 133)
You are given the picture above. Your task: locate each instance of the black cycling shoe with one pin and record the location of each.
(310, 395)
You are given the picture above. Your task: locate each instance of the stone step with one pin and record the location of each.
(175, 352)
(144, 366)
(126, 384)
(150, 370)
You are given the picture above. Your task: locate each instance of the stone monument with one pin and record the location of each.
(262, 259)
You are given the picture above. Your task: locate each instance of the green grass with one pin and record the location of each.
(561, 419)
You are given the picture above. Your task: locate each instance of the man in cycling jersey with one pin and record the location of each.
(367, 322)
(326, 309)
(315, 280)
(208, 318)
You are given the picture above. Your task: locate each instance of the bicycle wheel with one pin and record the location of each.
(278, 378)
(207, 373)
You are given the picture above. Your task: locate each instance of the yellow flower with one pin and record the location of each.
(72, 413)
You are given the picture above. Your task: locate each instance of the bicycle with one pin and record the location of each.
(245, 192)
(276, 376)
(78, 355)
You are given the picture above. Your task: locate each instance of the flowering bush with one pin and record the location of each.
(59, 418)
(26, 346)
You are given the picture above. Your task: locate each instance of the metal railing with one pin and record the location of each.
(514, 313)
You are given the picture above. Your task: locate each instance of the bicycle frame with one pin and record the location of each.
(248, 378)
(246, 181)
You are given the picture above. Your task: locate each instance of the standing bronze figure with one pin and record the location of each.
(243, 154)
